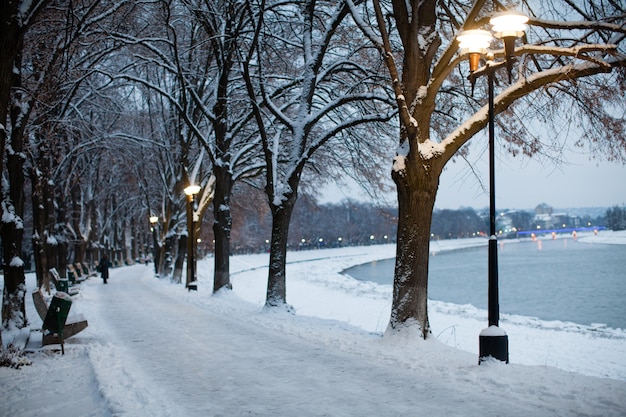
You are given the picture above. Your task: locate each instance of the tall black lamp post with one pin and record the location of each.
(493, 341)
(192, 282)
(154, 221)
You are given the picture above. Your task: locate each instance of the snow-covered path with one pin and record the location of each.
(168, 352)
(154, 349)
(202, 362)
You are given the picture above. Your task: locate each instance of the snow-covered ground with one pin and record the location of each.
(154, 349)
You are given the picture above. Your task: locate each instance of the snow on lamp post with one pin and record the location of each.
(192, 282)
(493, 341)
(154, 221)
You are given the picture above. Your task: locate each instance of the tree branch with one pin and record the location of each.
(459, 137)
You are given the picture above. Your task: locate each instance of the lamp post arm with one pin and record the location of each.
(487, 70)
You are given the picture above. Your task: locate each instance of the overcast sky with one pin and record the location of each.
(526, 183)
(522, 183)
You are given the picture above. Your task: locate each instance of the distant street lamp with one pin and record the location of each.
(192, 282)
(493, 341)
(154, 221)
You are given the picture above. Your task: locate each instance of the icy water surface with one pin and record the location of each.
(560, 279)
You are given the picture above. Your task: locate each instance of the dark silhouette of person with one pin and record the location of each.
(104, 268)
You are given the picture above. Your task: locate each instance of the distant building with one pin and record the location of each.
(547, 219)
(543, 209)
(543, 217)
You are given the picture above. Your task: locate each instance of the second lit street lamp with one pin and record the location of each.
(192, 282)
(493, 341)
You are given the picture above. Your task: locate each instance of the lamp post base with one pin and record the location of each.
(493, 342)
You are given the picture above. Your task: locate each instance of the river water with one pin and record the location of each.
(561, 279)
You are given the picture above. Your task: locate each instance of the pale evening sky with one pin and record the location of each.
(521, 183)
(524, 183)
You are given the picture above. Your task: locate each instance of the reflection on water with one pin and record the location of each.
(560, 279)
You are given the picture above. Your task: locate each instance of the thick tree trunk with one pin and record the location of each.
(39, 235)
(160, 259)
(417, 189)
(13, 305)
(165, 268)
(157, 253)
(276, 282)
(180, 259)
(222, 227)
(12, 230)
(79, 244)
(10, 44)
(44, 240)
(59, 251)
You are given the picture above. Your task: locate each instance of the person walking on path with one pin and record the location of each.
(104, 268)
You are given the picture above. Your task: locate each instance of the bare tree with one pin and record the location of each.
(568, 62)
(310, 81)
(63, 134)
(217, 95)
(196, 53)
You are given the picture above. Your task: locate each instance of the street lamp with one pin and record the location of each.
(192, 282)
(493, 341)
(154, 220)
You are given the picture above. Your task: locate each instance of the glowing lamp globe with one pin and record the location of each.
(192, 189)
(475, 42)
(509, 24)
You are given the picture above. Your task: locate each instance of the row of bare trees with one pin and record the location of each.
(82, 141)
(113, 107)
(120, 105)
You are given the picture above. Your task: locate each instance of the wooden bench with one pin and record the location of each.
(75, 275)
(62, 284)
(87, 270)
(73, 325)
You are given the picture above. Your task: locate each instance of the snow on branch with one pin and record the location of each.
(28, 10)
(246, 157)
(583, 24)
(580, 52)
(369, 118)
(365, 27)
(455, 140)
(206, 196)
(9, 215)
(342, 101)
